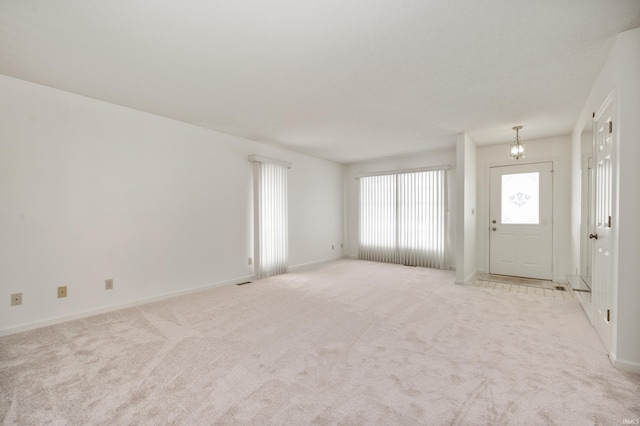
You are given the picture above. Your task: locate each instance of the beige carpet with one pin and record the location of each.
(349, 342)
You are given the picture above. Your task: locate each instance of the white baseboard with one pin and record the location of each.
(555, 280)
(97, 311)
(468, 279)
(315, 262)
(621, 364)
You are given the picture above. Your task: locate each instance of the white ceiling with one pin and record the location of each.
(345, 80)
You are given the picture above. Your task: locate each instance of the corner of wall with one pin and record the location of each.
(466, 154)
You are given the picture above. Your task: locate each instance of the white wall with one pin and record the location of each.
(627, 51)
(554, 148)
(436, 158)
(621, 74)
(466, 223)
(91, 190)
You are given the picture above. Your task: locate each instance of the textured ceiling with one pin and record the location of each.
(346, 80)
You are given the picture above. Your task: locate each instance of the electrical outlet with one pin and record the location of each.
(16, 299)
(108, 284)
(250, 261)
(62, 291)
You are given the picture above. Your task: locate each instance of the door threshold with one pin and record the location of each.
(509, 279)
(578, 284)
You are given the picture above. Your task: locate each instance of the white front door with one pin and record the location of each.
(520, 212)
(602, 284)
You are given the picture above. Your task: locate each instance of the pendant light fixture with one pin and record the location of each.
(517, 148)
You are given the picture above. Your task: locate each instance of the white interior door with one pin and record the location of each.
(521, 212)
(602, 284)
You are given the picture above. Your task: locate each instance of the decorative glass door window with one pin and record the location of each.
(521, 199)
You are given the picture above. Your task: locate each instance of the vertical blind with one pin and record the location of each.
(271, 245)
(403, 218)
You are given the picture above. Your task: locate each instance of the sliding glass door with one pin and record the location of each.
(403, 218)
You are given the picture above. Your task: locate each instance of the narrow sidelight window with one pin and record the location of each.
(271, 244)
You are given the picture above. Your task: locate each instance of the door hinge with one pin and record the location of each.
(608, 315)
(609, 222)
(610, 127)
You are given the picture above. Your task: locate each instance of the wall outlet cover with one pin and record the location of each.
(108, 284)
(16, 299)
(62, 291)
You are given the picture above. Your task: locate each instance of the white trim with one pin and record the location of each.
(603, 107)
(612, 100)
(585, 213)
(624, 365)
(261, 159)
(315, 262)
(585, 307)
(467, 280)
(403, 171)
(116, 307)
(520, 163)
